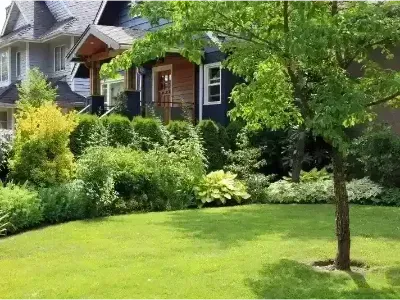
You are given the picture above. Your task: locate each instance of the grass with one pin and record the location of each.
(257, 251)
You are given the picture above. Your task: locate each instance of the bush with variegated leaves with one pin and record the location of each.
(220, 187)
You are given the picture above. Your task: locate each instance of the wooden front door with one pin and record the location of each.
(164, 92)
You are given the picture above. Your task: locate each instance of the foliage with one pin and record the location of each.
(3, 223)
(6, 141)
(377, 153)
(121, 179)
(35, 91)
(22, 206)
(257, 184)
(119, 131)
(150, 131)
(179, 129)
(246, 159)
(360, 191)
(313, 175)
(214, 142)
(89, 132)
(232, 131)
(41, 154)
(63, 203)
(220, 187)
(120, 102)
(95, 170)
(283, 191)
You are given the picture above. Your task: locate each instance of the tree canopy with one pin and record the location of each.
(294, 57)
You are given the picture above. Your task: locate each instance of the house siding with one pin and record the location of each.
(66, 41)
(81, 86)
(39, 57)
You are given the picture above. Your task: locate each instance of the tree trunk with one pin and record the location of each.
(298, 155)
(342, 261)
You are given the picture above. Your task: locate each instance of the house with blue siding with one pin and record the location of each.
(38, 34)
(171, 86)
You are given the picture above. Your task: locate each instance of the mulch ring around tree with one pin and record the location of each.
(329, 265)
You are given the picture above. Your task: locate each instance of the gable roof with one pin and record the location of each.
(47, 19)
(115, 37)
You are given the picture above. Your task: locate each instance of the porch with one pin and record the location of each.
(166, 86)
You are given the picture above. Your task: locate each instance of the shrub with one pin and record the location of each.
(64, 202)
(283, 191)
(3, 223)
(313, 175)
(96, 168)
(256, 186)
(389, 196)
(179, 129)
(6, 139)
(377, 153)
(360, 191)
(22, 206)
(214, 141)
(89, 132)
(119, 130)
(150, 131)
(232, 131)
(41, 154)
(246, 160)
(220, 187)
(118, 180)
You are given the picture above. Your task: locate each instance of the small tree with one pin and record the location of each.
(35, 90)
(41, 153)
(294, 58)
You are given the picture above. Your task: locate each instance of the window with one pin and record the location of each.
(111, 89)
(18, 64)
(212, 84)
(59, 58)
(4, 66)
(3, 120)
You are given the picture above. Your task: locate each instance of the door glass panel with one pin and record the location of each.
(3, 120)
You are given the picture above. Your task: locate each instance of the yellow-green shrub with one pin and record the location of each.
(41, 152)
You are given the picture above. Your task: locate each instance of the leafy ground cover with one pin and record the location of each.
(255, 251)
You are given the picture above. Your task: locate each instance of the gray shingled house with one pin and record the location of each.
(40, 34)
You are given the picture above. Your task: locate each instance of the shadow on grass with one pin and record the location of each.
(291, 279)
(393, 276)
(302, 222)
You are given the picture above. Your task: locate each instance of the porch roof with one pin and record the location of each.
(98, 38)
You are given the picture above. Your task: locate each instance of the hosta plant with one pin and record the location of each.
(220, 187)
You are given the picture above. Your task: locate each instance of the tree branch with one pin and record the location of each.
(383, 100)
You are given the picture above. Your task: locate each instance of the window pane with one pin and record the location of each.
(57, 58)
(214, 93)
(62, 58)
(3, 120)
(214, 75)
(18, 64)
(4, 66)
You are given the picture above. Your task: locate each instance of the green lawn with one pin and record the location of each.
(258, 251)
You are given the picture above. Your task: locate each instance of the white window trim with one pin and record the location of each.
(154, 72)
(206, 85)
(108, 82)
(54, 60)
(16, 64)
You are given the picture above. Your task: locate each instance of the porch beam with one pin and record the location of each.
(103, 55)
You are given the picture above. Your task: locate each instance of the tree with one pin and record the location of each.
(35, 90)
(41, 154)
(295, 59)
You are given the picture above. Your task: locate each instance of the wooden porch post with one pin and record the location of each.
(130, 79)
(95, 78)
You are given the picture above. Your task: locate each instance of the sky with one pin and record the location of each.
(3, 5)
